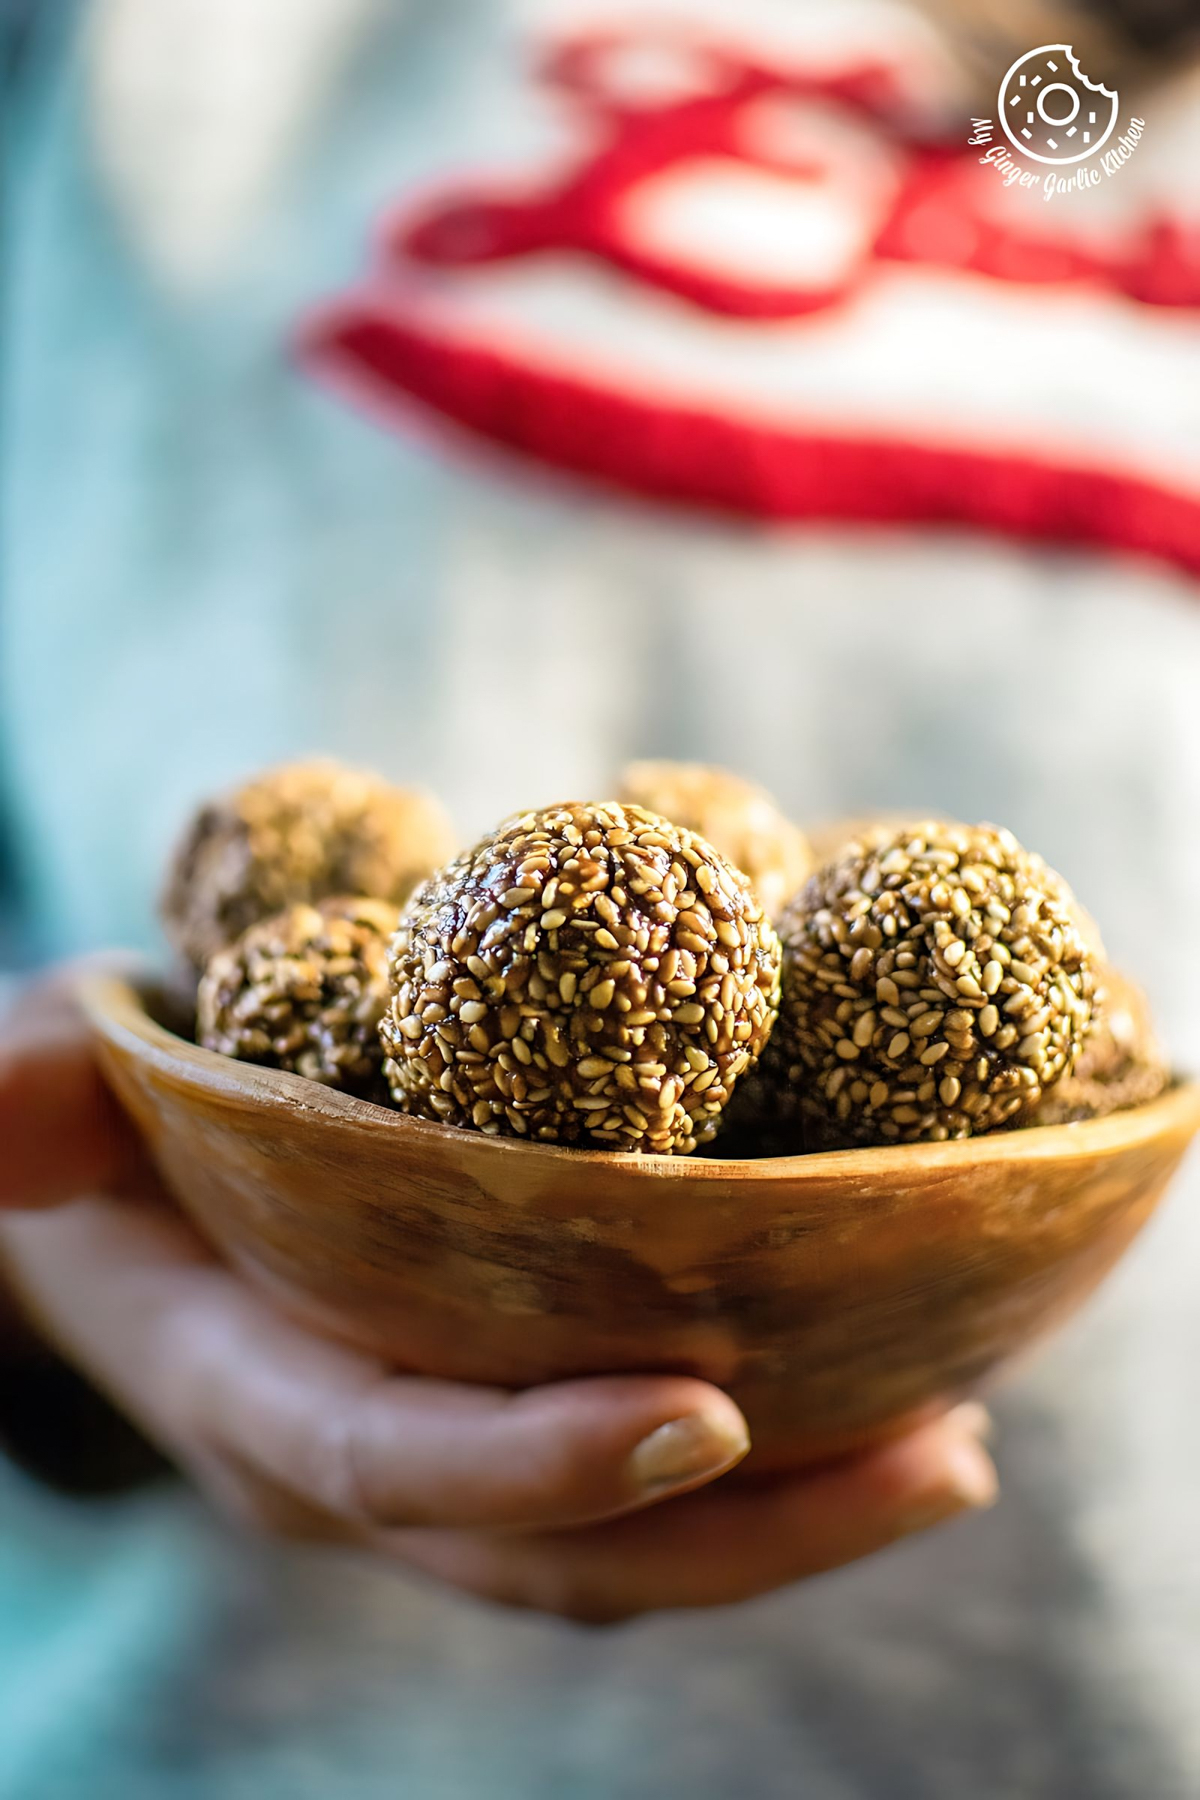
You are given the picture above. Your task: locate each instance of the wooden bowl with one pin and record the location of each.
(834, 1296)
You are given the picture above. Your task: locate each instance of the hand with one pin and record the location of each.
(550, 1498)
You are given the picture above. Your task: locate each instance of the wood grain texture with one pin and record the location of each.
(835, 1296)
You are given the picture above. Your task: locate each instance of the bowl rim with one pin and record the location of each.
(115, 1007)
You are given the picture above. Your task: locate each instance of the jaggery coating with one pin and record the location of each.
(301, 832)
(305, 991)
(738, 818)
(936, 982)
(1121, 1064)
(588, 974)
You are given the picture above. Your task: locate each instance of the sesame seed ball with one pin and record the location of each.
(588, 974)
(1121, 1064)
(738, 818)
(936, 982)
(300, 832)
(305, 991)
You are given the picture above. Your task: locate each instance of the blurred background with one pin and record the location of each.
(490, 391)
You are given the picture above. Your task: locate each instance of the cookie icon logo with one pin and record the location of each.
(1049, 109)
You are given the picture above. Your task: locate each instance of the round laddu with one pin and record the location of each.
(1121, 1064)
(936, 982)
(738, 818)
(305, 991)
(589, 974)
(300, 832)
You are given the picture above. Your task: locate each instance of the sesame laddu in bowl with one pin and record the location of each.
(301, 832)
(938, 981)
(586, 974)
(305, 991)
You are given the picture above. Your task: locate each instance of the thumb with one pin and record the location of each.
(61, 1131)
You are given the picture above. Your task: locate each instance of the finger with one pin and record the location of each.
(389, 1451)
(200, 1356)
(265, 1509)
(61, 1131)
(732, 1542)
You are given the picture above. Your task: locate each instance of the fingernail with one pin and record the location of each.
(973, 1417)
(973, 1478)
(969, 1484)
(685, 1450)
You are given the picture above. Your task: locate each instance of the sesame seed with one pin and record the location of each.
(864, 1029)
